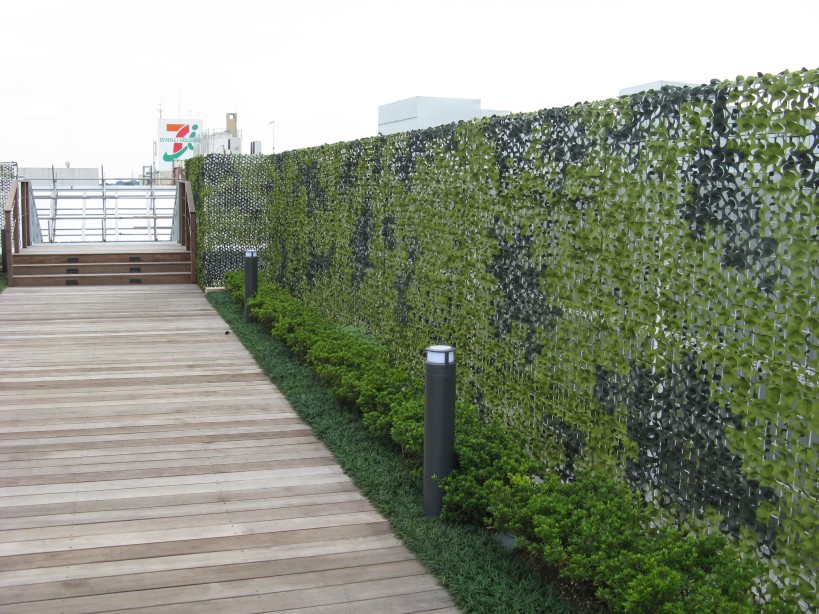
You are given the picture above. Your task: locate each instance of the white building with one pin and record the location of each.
(422, 112)
(49, 177)
(227, 142)
(654, 85)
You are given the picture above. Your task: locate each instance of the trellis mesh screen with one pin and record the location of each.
(631, 284)
(8, 173)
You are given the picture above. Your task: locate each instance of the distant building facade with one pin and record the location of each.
(227, 142)
(654, 85)
(422, 112)
(49, 177)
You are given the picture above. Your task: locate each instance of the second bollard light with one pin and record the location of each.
(439, 424)
(251, 278)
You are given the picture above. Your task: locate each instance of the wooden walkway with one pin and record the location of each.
(147, 464)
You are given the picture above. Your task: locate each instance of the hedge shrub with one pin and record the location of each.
(593, 530)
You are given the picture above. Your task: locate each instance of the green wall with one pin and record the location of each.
(8, 173)
(629, 283)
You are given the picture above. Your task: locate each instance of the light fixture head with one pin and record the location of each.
(441, 355)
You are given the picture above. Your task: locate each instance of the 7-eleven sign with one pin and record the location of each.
(177, 138)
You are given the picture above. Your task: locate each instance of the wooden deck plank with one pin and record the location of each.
(399, 576)
(133, 567)
(254, 491)
(343, 594)
(147, 463)
(120, 463)
(120, 476)
(214, 546)
(191, 576)
(124, 528)
(70, 496)
(140, 453)
(129, 514)
(426, 601)
(280, 443)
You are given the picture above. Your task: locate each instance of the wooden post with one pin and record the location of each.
(181, 214)
(9, 260)
(188, 214)
(24, 216)
(15, 216)
(192, 226)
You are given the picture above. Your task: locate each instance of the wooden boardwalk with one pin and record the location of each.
(147, 464)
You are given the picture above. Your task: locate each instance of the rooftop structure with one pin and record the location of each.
(422, 112)
(50, 177)
(654, 85)
(229, 141)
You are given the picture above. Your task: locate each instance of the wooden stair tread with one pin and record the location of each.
(102, 268)
(63, 259)
(103, 264)
(85, 275)
(108, 246)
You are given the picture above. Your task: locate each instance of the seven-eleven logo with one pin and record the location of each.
(183, 140)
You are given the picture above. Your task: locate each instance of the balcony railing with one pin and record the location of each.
(106, 212)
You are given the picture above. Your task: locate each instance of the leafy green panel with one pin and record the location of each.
(8, 173)
(631, 285)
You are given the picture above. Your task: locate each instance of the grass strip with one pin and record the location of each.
(480, 575)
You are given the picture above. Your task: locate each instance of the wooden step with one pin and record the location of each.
(102, 279)
(93, 268)
(83, 264)
(81, 258)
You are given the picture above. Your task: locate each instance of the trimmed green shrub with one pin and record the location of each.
(486, 455)
(352, 365)
(593, 530)
(596, 531)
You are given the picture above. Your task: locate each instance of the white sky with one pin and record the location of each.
(82, 81)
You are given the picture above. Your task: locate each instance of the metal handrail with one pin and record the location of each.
(99, 205)
(79, 216)
(176, 220)
(35, 232)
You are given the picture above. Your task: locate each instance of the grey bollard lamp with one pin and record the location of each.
(439, 424)
(251, 278)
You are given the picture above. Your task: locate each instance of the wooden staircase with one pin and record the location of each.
(94, 264)
(31, 261)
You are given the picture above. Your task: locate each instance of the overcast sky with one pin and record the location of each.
(83, 81)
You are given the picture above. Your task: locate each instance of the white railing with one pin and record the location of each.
(105, 212)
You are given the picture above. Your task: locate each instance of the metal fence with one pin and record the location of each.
(105, 213)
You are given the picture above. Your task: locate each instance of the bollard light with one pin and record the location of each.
(251, 278)
(439, 424)
(441, 355)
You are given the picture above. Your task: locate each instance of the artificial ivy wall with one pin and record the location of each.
(8, 173)
(629, 283)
